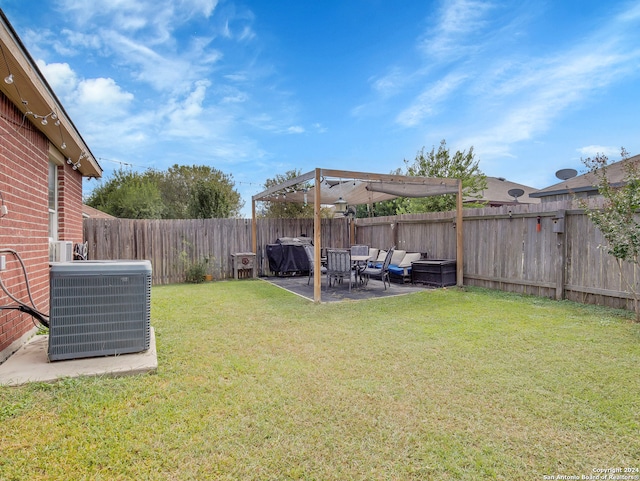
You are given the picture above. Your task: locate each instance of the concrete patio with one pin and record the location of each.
(30, 364)
(340, 292)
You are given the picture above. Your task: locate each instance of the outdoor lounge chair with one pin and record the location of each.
(381, 272)
(309, 249)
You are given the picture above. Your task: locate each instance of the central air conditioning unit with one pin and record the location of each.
(61, 251)
(99, 308)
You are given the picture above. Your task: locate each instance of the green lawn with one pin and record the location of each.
(257, 384)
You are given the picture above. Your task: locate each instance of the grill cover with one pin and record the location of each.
(287, 258)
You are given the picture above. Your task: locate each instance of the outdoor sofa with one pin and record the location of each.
(400, 266)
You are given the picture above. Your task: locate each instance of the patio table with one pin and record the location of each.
(358, 262)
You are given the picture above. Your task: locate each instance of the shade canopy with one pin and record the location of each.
(355, 188)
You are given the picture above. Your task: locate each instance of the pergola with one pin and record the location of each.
(330, 186)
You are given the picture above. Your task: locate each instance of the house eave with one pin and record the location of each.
(33, 96)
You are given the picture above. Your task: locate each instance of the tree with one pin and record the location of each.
(206, 201)
(285, 209)
(182, 192)
(180, 183)
(462, 165)
(128, 195)
(617, 220)
(382, 208)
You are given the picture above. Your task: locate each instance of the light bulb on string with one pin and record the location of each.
(9, 79)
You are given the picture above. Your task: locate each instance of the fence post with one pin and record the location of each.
(561, 255)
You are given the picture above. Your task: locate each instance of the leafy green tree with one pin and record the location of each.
(383, 208)
(128, 195)
(180, 183)
(441, 164)
(617, 220)
(206, 201)
(182, 192)
(290, 210)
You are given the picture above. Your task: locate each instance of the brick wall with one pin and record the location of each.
(24, 170)
(69, 204)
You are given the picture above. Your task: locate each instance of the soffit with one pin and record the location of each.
(33, 96)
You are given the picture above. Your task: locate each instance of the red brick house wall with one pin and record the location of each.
(24, 171)
(69, 204)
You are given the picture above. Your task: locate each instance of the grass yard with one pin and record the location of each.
(257, 384)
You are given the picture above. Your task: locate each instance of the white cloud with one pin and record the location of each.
(593, 150)
(79, 39)
(247, 33)
(390, 83)
(163, 72)
(60, 76)
(234, 96)
(190, 117)
(320, 128)
(138, 38)
(458, 21)
(162, 15)
(295, 129)
(426, 103)
(104, 96)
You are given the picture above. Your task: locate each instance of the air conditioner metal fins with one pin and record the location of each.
(99, 308)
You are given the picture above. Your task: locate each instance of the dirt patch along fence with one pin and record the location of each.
(550, 250)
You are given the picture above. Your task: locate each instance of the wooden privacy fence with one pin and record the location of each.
(550, 250)
(173, 245)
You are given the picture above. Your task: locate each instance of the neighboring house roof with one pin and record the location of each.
(586, 182)
(90, 212)
(25, 86)
(497, 193)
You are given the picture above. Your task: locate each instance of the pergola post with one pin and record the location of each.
(459, 238)
(317, 272)
(254, 229)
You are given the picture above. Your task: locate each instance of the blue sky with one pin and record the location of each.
(259, 87)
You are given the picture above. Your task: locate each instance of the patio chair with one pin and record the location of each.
(338, 266)
(359, 250)
(309, 249)
(382, 272)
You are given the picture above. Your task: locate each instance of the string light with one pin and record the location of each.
(76, 165)
(44, 119)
